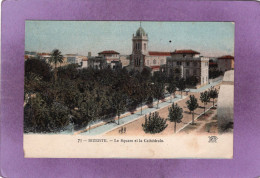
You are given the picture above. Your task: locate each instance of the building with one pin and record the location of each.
(225, 63)
(44, 56)
(187, 63)
(142, 58)
(74, 59)
(84, 62)
(97, 62)
(125, 60)
(112, 58)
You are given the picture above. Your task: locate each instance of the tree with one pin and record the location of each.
(213, 94)
(192, 81)
(175, 115)
(119, 103)
(154, 123)
(40, 117)
(38, 67)
(56, 58)
(146, 73)
(171, 89)
(192, 104)
(181, 85)
(142, 94)
(158, 92)
(204, 98)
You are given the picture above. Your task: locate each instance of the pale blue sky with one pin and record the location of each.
(209, 38)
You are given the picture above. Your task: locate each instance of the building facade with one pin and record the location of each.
(187, 63)
(97, 62)
(225, 63)
(141, 57)
(112, 58)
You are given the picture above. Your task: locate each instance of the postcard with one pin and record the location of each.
(128, 89)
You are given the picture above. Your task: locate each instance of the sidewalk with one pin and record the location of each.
(111, 126)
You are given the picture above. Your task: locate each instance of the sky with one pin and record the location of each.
(211, 39)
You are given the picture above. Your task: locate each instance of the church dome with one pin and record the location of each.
(140, 32)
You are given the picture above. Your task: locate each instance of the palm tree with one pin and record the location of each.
(56, 57)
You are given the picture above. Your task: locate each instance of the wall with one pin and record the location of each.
(225, 109)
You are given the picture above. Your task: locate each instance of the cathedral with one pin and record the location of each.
(142, 58)
(182, 63)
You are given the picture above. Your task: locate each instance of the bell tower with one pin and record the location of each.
(139, 48)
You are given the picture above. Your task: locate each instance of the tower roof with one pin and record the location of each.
(140, 32)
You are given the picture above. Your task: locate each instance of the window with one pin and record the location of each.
(137, 61)
(194, 72)
(187, 63)
(145, 46)
(187, 72)
(179, 63)
(154, 61)
(184, 55)
(194, 63)
(161, 61)
(147, 62)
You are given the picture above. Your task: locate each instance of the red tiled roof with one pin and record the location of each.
(44, 54)
(108, 52)
(185, 51)
(212, 63)
(158, 53)
(226, 57)
(155, 67)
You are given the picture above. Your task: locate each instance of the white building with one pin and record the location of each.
(188, 63)
(112, 58)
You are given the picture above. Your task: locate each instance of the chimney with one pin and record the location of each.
(89, 54)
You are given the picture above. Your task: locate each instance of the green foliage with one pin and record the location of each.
(192, 81)
(39, 68)
(192, 103)
(154, 123)
(175, 113)
(181, 85)
(213, 93)
(40, 117)
(204, 97)
(87, 94)
(158, 91)
(171, 88)
(159, 77)
(56, 57)
(68, 72)
(214, 73)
